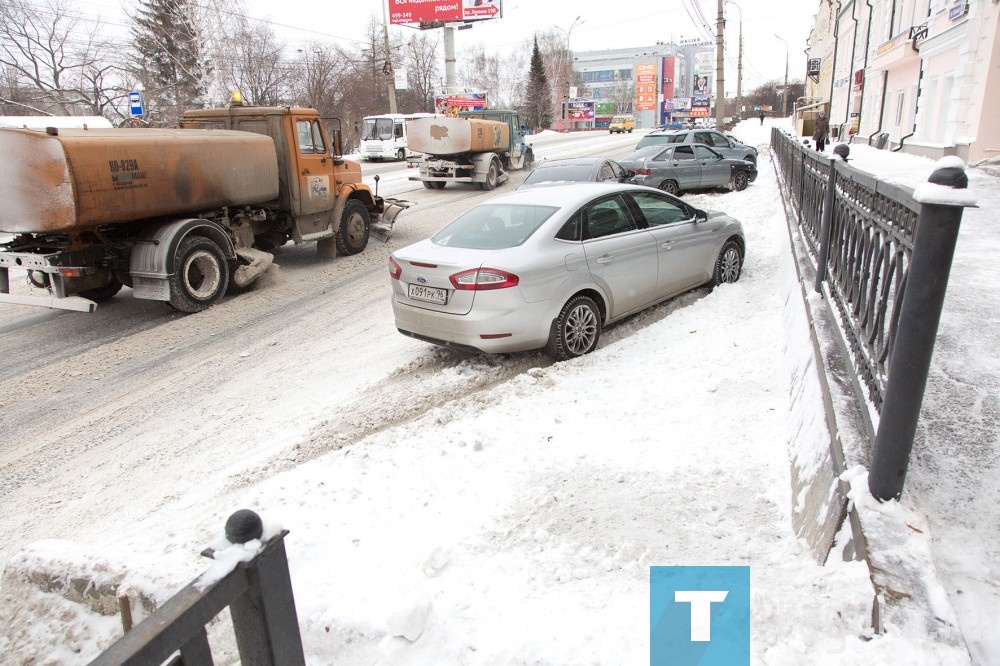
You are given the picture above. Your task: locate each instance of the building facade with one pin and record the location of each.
(656, 84)
(921, 76)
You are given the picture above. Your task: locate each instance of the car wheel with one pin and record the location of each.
(576, 330)
(492, 175)
(740, 181)
(200, 277)
(671, 187)
(355, 228)
(729, 264)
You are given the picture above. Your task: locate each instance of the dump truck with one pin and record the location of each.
(478, 147)
(178, 215)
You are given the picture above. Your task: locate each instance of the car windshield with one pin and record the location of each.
(494, 226)
(567, 172)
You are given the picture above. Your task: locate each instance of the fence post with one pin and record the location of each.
(927, 280)
(264, 617)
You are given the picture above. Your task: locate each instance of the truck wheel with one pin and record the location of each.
(434, 184)
(200, 277)
(400, 155)
(355, 227)
(105, 293)
(492, 175)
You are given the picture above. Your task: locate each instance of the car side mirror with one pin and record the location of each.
(700, 215)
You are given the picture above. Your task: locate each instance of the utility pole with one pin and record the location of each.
(387, 68)
(720, 78)
(739, 66)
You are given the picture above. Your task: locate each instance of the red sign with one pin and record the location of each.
(447, 11)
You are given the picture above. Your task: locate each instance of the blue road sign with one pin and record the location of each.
(135, 103)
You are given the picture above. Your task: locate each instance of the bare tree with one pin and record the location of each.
(257, 67)
(54, 62)
(421, 63)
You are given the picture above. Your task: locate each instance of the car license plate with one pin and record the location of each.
(430, 294)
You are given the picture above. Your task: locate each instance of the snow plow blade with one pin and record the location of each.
(393, 207)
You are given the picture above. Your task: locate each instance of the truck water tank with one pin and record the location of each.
(453, 136)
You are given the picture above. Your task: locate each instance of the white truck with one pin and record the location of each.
(478, 147)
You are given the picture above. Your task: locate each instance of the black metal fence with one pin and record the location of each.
(259, 596)
(864, 256)
(885, 281)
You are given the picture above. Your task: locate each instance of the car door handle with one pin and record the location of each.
(667, 245)
(606, 259)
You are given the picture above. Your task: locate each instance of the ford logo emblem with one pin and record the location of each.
(422, 280)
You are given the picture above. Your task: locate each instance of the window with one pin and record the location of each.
(310, 138)
(706, 153)
(683, 153)
(900, 102)
(607, 173)
(607, 218)
(399, 130)
(493, 227)
(658, 210)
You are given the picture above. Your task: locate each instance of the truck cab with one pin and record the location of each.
(312, 175)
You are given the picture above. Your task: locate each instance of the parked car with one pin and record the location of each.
(676, 168)
(727, 146)
(550, 267)
(577, 170)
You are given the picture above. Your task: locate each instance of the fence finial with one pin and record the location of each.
(243, 526)
(842, 151)
(952, 176)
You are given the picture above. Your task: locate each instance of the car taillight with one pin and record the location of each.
(479, 279)
(644, 171)
(395, 270)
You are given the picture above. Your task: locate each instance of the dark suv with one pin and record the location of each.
(728, 146)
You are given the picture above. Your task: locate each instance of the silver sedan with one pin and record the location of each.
(678, 168)
(550, 267)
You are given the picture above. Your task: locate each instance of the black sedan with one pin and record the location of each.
(677, 168)
(578, 170)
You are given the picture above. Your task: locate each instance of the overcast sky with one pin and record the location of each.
(589, 23)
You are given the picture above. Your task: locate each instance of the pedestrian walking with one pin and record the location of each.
(821, 131)
(762, 118)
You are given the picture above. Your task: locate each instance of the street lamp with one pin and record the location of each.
(569, 59)
(739, 65)
(784, 93)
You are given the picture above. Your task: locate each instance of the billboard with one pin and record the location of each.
(452, 104)
(402, 12)
(645, 86)
(580, 110)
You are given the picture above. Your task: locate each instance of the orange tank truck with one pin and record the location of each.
(478, 147)
(176, 214)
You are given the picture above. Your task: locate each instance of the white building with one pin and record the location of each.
(922, 76)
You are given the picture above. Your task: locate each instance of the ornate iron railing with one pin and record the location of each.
(870, 227)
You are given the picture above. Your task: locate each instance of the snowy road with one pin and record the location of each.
(93, 422)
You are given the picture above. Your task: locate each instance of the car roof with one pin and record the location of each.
(565, 194)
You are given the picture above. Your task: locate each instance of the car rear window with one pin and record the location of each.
(659, 140)
(493, 226)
